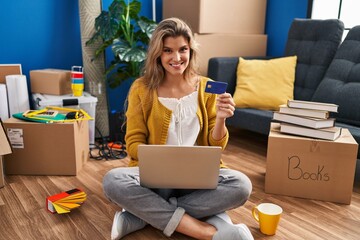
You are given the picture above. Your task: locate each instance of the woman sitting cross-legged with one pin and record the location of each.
(168, 105)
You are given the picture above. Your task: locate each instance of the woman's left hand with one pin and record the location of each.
(225, 106)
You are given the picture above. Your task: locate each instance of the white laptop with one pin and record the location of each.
(179, 167)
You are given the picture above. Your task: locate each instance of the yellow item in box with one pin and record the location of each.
(56, 114)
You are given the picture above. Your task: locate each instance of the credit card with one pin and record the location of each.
(215, 87)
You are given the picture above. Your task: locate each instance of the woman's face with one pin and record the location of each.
(175, 55)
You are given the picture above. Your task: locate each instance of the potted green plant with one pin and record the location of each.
(128, 34)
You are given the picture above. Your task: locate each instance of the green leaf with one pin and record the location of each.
(134, 9)
(106, 26)
(128, 53)
(147, 26)
(100, 49)
(135, 54)
(117, 9)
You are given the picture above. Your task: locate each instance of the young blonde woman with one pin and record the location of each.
(168, 105)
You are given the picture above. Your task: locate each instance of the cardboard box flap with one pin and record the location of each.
(4, 141)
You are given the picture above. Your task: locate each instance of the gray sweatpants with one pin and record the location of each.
(164, 208)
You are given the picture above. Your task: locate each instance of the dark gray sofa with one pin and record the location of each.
(325, 72)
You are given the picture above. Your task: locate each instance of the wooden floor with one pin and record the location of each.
(23, 214)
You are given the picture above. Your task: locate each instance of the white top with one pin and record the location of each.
(184, 124)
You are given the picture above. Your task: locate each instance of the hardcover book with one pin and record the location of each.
(331, 133)
(303, 121)
(313, 105)
(304, 112)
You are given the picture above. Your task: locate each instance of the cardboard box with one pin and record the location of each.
(46, 149)
(311, 168)
(4, 149)
(51, 81)
(228, 45)
(214, 16)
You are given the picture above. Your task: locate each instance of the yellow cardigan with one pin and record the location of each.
(148, 120)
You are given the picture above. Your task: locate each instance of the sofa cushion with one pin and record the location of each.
(264, 84)
(251, 119)
(341, 84)
(314, 42)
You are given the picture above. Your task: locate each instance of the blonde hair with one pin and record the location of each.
(153, 72)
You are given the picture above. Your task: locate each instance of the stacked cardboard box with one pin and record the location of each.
(50, 81)
(228, 28)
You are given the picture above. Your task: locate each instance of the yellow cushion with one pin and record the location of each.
(265, 84)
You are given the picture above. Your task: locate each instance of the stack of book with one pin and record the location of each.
(66, 201)
(309, 119)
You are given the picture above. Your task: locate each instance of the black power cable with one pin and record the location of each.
(102, 149)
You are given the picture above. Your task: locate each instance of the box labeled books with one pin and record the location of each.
(311, 168)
